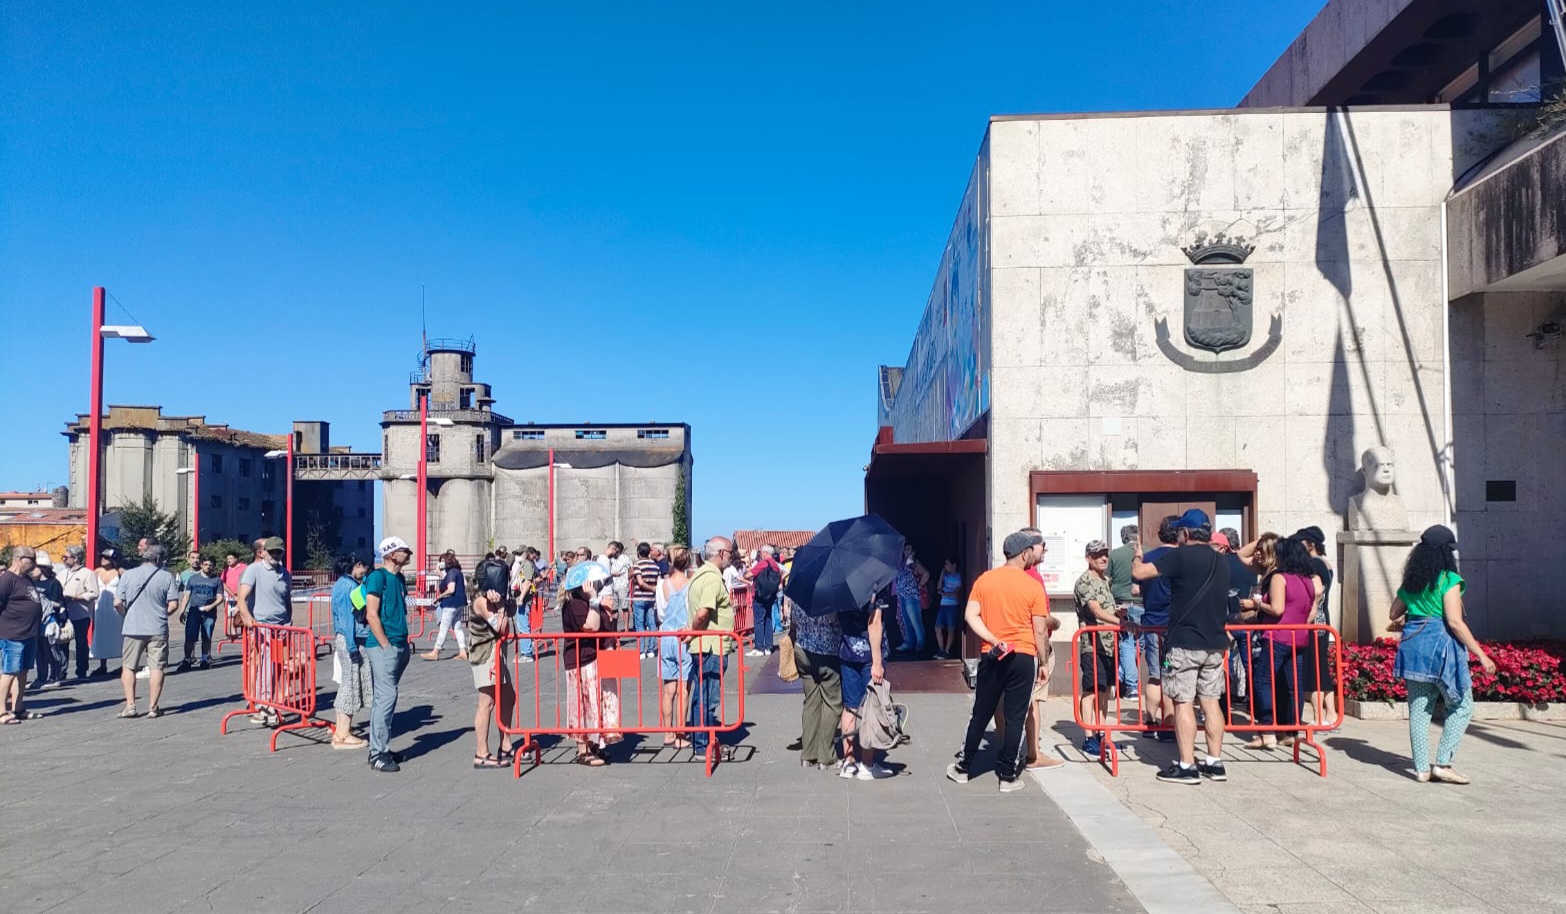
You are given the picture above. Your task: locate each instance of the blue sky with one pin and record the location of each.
(723, 214)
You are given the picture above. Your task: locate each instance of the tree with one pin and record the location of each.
(682, 511)
(218, 550)
(146, 520)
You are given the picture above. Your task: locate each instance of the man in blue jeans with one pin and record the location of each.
(387, 649)
(708, 599)
(644, 599)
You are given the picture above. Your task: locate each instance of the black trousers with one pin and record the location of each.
(1008, 681)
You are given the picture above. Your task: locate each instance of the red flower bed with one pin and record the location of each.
(1532, 672)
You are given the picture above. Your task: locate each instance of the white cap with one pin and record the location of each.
(42, 560)
(391, 544)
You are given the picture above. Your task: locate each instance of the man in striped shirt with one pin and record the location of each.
(644, 594)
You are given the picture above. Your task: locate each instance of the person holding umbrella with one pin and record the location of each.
(1008, 611)
(845, 571)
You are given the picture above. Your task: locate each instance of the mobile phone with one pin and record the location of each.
(1000, 651)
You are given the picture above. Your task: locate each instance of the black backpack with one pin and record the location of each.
(493, 574)
(767, 583)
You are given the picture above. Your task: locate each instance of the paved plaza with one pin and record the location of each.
(167, 815)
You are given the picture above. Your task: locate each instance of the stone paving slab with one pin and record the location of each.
(166, 815)
(1368, 837)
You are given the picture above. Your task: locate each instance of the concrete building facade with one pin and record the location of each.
(243, 492)
(1377, 255)
(489, 476)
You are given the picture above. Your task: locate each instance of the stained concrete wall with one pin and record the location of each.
(1338, 33)
(1088, 216)
(592, 506)
(1509, 416)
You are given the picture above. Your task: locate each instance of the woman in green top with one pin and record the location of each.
(1432, 657)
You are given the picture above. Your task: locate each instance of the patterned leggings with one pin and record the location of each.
(1422, 697)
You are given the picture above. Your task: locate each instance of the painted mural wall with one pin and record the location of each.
(946, 381)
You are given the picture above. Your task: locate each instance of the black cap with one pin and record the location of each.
(1313, 534)
(1439, 535)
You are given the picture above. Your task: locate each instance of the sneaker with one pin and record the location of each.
(144, 673)
(1177, 774)
(874, 772)
(1213, 771)
(1092, 747)
(184, 666)
(958, 772)
(526, 658)
(1131, 695)
(847, 769)
(385, 762)
(1012, 786)
(205, 664)
(1166, 736)
(1047, 763)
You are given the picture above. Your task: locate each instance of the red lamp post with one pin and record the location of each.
(423, 483)
(131, 334)
(551, 507)
(287, 454)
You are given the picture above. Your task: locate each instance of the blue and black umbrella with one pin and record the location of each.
(844, 565)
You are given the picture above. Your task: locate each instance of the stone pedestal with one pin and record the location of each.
(1372, 570)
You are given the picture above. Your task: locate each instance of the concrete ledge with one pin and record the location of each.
(1483, 710)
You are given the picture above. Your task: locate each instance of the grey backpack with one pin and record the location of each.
(882, 722)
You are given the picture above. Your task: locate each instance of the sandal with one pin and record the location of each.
(127, 714)
(592, 761)
(30, 715)
(9, 718)
(487, 761)
(154, 712)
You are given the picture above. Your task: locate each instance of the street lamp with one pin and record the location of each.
(288, 502)
(194, 472)
(131, 334)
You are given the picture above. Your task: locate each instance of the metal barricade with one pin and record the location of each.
(744, 623)
(278, 674)
(319, 614)
(232, 633)
(1292, 661)
(618, 693)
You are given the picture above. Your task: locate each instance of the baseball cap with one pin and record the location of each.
(1019, 542)
(1219, 539)
(391, 544)
(1312, 533)
(1096, 547)
(42, 560)
(274, 544)
(1191, 519)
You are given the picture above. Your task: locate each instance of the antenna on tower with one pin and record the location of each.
(424, 329)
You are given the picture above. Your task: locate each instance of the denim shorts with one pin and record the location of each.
(17, 656)
(947, 616)
(674, 660)
(856, 681)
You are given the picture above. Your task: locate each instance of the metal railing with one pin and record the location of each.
(337, 461)
(455, 415)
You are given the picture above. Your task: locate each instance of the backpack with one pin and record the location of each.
(767, 584)
(493, 574)
(881, 720)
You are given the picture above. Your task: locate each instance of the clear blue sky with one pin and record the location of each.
(583, 187)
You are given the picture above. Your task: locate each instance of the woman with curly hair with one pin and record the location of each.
(1432, 657)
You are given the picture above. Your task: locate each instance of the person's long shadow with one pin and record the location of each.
(1362, 751)
(1485, 733)
(66, 705)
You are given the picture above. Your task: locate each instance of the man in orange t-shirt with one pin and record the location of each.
(1008, 611)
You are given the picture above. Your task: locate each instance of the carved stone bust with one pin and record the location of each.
(1378, 507)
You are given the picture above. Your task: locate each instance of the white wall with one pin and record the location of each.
(1088, 218)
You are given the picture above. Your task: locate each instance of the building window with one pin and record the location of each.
(467, 364)
(465, 398)
(1508, 73)
(268, 508)
(217, 501)
(432, 449)
(216, 461)
(385, 446)
(591, 434)
(478, 448)
(527, 434)
(658, 433)
(244, 467)
(244, 504)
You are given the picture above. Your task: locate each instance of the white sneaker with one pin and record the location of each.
(847, 769)
(527, 659)
(874, 772)
(144, 673)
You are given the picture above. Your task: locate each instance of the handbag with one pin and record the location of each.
(788, 670)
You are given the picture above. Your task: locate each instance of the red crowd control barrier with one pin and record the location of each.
(231, 631)
(617, 693)
(278, 671)
(319, 614)
(744, 622)
(1269, 676)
